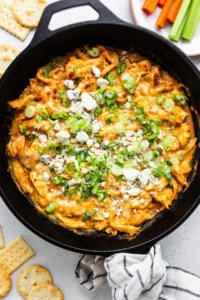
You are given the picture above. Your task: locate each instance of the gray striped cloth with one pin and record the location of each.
(138, 277)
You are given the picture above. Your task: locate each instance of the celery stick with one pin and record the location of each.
(192, 20)
(176, 28)
(178, 35)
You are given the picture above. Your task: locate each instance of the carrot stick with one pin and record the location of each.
(149, 6)
(161, 2)
(164, 13)
(174, 11)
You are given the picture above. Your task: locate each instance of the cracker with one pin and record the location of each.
(45, 291)
(15, 254)
(7, 55)
(2, 245)
(28, 12)
(30, 277)
(9, 23)
(5, 282)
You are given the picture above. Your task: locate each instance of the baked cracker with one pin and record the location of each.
(15, 254)
(31, 276)
(9, 23)
(28, 12)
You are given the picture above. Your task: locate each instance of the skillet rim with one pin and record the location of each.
(72, 248)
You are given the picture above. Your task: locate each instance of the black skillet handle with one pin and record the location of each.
(42, 32)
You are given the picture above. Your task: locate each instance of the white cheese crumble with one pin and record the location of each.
(134, 191)
(63, 137)
(144, 177)
(46, 176)
(125, 76)
(102, 82)
(130, 173)
(82, 137)
(106, 214)
(57, 127)
(88, 102)
(69, 84)
(89, 143)
(44, 159)
(73, 94)
(43, 138)
(76, 107)
(96, 71)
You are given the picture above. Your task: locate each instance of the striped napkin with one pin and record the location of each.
(138, 277)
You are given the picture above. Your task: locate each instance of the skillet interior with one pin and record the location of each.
(16, 78)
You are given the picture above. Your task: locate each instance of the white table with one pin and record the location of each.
(180, 248)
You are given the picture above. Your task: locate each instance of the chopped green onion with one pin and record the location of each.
(40, 151)
(38, 119)
(74, 129)
(156, 172)
(148, 155)
(88, 129)
(110, 119)
(113, 144)
(180, 98)
(155, 153)
(104, 176)
(120, 69)
(133, 103)
(94, 52)
(120, 159)
(51, 207)
(44, 114)
(29, 111)
(155, 130)
(123, 118)
(169, 105)
(139, 111)
(88, 214)
(31, 137)
(120, 128)
(100, 100)
(129, 164)
(98, 110)
(181, 156)
(169, 163)
(111, 78)
(110, 94)
(172, 118)
(22, 129)
(69, 216)
(136, 146)
(158, 121)
(116, 170)
(160, 99)
(167, 143)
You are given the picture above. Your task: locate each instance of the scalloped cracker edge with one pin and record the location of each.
(2, 245)
(15, 254)
(5, 282)
(9, 23)
(28, 12)
(45, 291)
(7, 55)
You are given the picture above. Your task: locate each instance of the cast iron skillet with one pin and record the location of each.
(107, 30)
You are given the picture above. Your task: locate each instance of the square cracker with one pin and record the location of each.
(8, 22)
(2, 245)
(15, 254)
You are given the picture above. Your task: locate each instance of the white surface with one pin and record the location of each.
(191, 48)
(177, 248)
